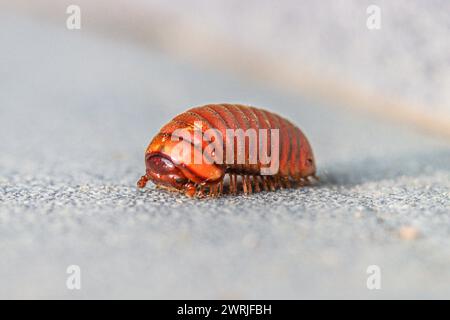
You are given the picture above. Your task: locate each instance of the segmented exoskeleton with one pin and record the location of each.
(169, 168)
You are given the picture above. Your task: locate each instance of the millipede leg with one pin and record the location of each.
(264, 183)
(271, 181)
(277, 183)
(213, 190)
(287, 183)
(217, 189)
(249, 184)
(281, 183)
(256, 183)
(201, 191)
(221, 186)
(142, 182)
(234, 183)
(230, 186)
(267, 181)
(244, 184)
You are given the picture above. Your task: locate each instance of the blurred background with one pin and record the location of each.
(79, 106)
(324, 50)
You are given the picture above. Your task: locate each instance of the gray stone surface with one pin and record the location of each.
(76, 113)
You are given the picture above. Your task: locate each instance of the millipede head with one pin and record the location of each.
(172, 170)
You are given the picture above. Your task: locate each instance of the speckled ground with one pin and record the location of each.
(76, 113)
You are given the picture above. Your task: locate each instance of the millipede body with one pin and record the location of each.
(228, 148)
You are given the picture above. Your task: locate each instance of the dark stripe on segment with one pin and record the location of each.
(195, 112)
(293, 162)
(199, 117)
(232, 123)
(185, 120)
(272, 125)
(275, 124)
(256, 125)
(287, 144)
(216, 122)
(299, 153)
(225, 125)
(244, 125)
(253, 123)
(241, 116)
(224, 115)
(263, 124)
(214, 119)
(216, 115)
(252, 112)
(306, 152)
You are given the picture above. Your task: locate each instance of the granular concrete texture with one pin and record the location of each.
(76, 113)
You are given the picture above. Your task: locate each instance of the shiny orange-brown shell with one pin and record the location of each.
(296, 159)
